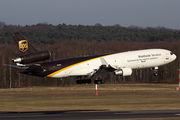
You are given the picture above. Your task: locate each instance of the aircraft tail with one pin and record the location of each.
(23, 45)
(31, 55)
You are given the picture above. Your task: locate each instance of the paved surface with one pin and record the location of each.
(90, 115)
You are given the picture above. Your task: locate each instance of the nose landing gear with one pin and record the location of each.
(155, 69)
(155, 72)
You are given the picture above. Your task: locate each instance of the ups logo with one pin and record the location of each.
(23, 45)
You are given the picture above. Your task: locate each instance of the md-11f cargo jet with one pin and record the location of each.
(32, 62)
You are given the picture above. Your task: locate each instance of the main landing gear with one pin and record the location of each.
(84, 81)
(89, 81)
(99, 81)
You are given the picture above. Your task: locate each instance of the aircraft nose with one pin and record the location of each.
(174, 57)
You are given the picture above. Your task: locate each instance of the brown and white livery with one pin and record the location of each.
(33, 62)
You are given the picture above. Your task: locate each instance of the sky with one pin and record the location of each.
(143, 13)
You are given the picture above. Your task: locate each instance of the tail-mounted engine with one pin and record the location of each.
(33, 57)
(123, 72)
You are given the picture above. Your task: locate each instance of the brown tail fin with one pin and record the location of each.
(23, 45)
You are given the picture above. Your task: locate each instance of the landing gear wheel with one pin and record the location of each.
(155, 72)
(99, 81)
(84, 81)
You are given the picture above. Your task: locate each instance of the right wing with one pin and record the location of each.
(105, 67)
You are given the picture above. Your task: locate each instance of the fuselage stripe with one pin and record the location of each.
(58, 71)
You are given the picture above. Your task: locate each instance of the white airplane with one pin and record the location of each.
(33, 62)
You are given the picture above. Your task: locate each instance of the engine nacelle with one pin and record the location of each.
(123, 72)
(33, 57)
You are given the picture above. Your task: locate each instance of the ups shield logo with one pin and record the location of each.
(23, 45)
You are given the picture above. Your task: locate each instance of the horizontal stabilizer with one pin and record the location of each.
(12, 66)
(34, 69)
(29, 70)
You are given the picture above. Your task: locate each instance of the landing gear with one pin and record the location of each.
(99, 81)
(89, 81)
(155, 69)
(84, 81)
(155, 72)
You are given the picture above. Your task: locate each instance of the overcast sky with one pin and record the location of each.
(144, 13)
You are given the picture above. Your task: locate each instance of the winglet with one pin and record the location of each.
(103, 61)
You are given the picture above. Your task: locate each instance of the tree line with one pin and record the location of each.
(44, 33)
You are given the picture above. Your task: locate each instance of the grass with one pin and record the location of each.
(115, 97)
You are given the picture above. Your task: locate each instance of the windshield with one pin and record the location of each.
(171, 53)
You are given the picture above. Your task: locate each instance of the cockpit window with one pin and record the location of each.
(171, 53)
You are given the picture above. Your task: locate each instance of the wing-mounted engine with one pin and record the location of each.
(123, 72)
(33, 57)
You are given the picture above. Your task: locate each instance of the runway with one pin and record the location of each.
(90, 115)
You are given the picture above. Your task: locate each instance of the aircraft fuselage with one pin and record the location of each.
(82, 66)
